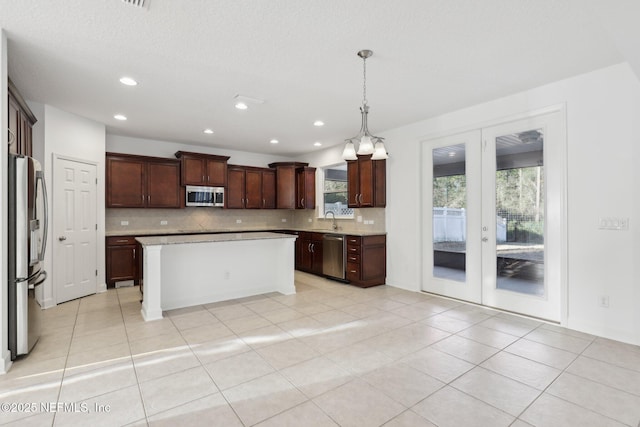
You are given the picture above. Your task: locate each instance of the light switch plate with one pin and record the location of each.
(124, 222)
(238, 221)
(163, 222)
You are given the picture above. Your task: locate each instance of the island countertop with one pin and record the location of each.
(174, 232)
(209, 238)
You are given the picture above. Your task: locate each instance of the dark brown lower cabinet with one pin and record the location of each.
(309, 252)
(367, 260)
(123, 254)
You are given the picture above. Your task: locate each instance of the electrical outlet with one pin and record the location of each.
(163, 222)
(613, 223)
(359, 218)
(309, 220)
(371, 221)
(284, 219)
(238, 221)
(124, 222)
(603, 301)
(366, 222)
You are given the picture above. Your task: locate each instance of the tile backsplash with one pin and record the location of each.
(187, 220)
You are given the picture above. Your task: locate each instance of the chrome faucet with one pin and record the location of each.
(334, 225)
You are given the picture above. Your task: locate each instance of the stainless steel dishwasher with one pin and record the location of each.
(333, 256)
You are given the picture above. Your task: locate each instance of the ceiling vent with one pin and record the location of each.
(136, 3)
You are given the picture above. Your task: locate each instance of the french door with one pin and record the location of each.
(493, 216)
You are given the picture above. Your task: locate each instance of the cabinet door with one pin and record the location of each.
(121, 263)
(269, 189)
(253, 189)
(365, 172)
(26, 131)
(306, 188)
(380, 180)
(193, 171)
(353, 183)
(286, 187)
(216, 172)
(235, 188)
(14, 126)
(316, 255)
(125, 186)
(163, 185)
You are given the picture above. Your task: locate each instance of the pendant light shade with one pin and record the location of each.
(364, 138)
(366, 146)
(349, 152)
(380, 152)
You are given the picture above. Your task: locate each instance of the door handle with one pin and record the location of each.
(485, 239)
(62, 238)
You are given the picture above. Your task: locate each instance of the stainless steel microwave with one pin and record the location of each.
(204, 196)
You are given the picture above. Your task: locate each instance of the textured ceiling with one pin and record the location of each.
(192, 57)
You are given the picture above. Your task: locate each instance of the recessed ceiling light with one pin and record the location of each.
(128, 81)
(274, 141)
(318, 123)
(120, 117)
(241, 106)
(208, 131)
(452, 154)
(317, 143)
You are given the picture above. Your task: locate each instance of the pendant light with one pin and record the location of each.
(368, 144)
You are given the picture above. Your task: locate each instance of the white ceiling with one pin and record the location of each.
(191, 58)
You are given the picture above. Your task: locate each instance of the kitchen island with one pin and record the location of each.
(183, 271)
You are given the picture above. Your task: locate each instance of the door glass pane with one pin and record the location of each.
(520, 212)
(449, 213)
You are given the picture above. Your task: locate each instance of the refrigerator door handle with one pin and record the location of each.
(40, 177)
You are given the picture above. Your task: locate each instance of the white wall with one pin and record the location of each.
(75, 137)
(603, 109)
(5, 356)
(155, 148)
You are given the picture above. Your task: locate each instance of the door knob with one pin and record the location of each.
(62, 238)
(485, 239)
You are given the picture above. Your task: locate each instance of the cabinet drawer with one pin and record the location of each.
(353, 240)
(121, 240)
(353, 271)
(353, 249)
(354, 258)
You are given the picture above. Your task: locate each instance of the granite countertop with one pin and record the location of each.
(208, 238)
(143, 233)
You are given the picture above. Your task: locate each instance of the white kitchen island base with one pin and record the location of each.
(183, 271)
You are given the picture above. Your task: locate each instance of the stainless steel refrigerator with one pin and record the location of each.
(27, 241)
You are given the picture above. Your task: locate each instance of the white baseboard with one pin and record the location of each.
(102, 287)
(48, 303)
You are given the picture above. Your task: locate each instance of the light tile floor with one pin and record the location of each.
(330, 355)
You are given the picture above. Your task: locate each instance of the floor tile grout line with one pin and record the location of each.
(135, 372)
(66, 361)
(562, 371)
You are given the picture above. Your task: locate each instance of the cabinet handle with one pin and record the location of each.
(352, 249)
(142, 198)
(148, 198)
(122, 241)
(208, 178)
(309, 248)
(13, 137)
(302, 202)
(134, 253)
(353, 271)
(264, 203)
(246, 201)
(202, 178)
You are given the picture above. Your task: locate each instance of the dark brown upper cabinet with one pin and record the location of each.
(295, 185)
(142, 182)
(366, 183)
(203, 169)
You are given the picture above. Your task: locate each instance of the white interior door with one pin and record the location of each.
(493, 209)
(74, 239)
